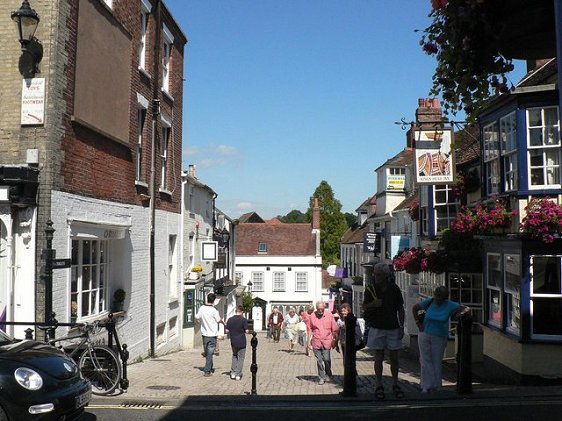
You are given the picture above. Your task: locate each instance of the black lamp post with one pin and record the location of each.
(27, 20)
(225, 237)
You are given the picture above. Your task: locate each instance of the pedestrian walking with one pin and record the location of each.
(323, 336)
(344, 311)
(209, 318)
(433, 335)
(291, 322)
(237, 327)
(305, 316)
(275, 321)
(384, 313)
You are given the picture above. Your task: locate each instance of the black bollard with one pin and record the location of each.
(124, 357)
(254, 366)
(349, 357)
(464, 354)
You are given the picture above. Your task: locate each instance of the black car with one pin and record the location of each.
(39, 382)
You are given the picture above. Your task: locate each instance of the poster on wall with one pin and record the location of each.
(433, 158)
(398, 243)
(33, 101)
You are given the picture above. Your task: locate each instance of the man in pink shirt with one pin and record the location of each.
(322, 336)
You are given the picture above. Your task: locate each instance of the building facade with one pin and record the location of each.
(105, 148)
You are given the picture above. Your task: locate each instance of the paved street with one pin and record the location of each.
(173, 378)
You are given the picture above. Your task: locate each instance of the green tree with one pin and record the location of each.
(295, 216)
(332, 222)
(247, 302)
(350, 218)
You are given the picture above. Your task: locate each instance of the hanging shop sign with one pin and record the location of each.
(433, 156)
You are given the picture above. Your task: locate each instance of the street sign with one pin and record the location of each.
(61, 263)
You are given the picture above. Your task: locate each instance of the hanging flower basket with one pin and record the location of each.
(543, 220)
(417, 259)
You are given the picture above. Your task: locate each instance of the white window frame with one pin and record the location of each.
(141, 120)
(262, 247)
(94, 263)
(301, 282)
(448, 208)
(542, 295)
(172, 267)
(257, 281)
(548, 148)
(143, 42)
(508, 138)
(512, 288)
(494, 290)
(278, 281)
(165, 140)
(492, 158)
(166, 58)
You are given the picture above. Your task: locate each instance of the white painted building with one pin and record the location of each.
(283, 263)
(108, 243)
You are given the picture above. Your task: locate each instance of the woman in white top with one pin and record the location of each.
(291, 322)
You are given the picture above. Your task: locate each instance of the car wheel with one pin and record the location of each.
(3, 416)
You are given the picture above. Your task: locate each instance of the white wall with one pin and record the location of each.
(130, 266)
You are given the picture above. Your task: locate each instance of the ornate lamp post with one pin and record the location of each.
(27, 20)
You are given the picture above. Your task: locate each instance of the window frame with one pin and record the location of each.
(143, 40)
(534, 295)
(262, 247)
(99, 286)
(450, 207)
(301, 281)
(492, 290)
(508, 142)
(544, 148)
(279, 282)
(257, 284)
(165, 140)
(491, 157)
(167, 48)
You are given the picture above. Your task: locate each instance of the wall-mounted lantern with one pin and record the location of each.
(27, 20)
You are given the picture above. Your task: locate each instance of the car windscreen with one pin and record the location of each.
(4, 338)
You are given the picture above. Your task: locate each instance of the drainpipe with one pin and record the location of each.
(156, 11)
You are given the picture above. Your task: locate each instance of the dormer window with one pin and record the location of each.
(262, 247)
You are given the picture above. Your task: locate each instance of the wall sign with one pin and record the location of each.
(209, 251)
(33, 101)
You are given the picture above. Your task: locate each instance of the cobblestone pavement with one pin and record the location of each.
(281, 373)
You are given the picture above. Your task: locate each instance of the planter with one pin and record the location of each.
(194, 276)
(118, 306)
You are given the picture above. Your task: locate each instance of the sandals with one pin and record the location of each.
(379, 393)
(398, 393)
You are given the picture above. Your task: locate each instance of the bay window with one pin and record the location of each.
(492, 159)
(546, 297)
(508, 137)
(543, 143)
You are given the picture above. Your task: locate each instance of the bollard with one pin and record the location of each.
(349, 357)
(124, 383)
(28, 333)
(464, 354)
(110, 326)
(254, 366)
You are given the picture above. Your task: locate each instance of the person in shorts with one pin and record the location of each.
(383, 307)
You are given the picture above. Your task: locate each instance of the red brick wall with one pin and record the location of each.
(96, 166)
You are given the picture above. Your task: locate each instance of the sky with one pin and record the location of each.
(282, 94)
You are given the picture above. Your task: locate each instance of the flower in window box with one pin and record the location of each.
(483, 218)
(543, 219)
(197, 268)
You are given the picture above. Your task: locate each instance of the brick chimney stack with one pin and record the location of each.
(428, 112)
(191, 170)
(316, 215)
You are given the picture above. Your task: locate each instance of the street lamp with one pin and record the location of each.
(225, 237)
(27, 20)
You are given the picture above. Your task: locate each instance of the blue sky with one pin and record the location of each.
(282, 94)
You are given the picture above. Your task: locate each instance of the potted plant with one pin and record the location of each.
(119, 299)
(543, 219)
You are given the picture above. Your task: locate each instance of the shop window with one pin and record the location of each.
(494, 285)
(512, 271)
(89, 277)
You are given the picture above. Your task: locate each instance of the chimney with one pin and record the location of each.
(191, 170)
(316, 215)
(428, 112)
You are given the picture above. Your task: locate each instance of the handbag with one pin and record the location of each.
(421, 316)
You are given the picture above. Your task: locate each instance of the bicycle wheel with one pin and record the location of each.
(101, 367)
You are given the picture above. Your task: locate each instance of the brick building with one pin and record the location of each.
(102, 161)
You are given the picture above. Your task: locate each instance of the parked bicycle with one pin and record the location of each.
(98, 363)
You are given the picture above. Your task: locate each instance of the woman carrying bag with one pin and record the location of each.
(433, 336)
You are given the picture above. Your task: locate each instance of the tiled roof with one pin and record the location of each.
(407, 202)
(281, 239)
(467, 144)
(250, 217)
(401, 159)
(370, 201)
(544, 75)
(355, 234)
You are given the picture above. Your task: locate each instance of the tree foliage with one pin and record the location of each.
(333, 223)
(295, 216)
(350, 218)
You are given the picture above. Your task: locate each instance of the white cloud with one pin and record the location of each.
(211, 155)
(224, 149)
(191, 150)
(244, 206)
